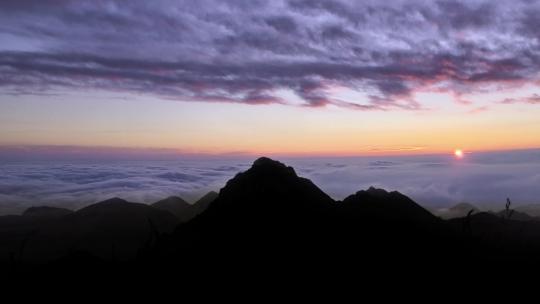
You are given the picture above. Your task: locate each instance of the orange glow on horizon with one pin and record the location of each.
(201, 128)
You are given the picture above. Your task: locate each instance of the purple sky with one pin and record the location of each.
(246, 51)
(284, 77)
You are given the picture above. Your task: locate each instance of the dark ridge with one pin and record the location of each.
(499, 237)
(206, 199)
(175, 205)
(379, 204)
(118, 214)
(518, 216)
(115, 201)
(530, 209)
(113, 228)
(183, 210)
(204, 202)
(457, 211)
(46, 211)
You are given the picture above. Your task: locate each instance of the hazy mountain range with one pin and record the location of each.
(113, 227)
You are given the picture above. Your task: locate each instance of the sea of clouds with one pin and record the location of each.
(485, 179)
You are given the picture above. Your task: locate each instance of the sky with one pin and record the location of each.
(284, 77)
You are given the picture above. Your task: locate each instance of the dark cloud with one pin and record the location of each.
(317, 7)
(282, 24)
(534, 99)
(461, 15)
(247, 51)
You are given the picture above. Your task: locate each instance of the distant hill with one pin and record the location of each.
(45, 211)
(517, 216)
(202, 203)
(462, 209)
(182, 209)
(117, 213)
(457, 211)
(176, 206)
(14, 229)
(494, 233)
(112, 228)
(383, 205)
(531, 209)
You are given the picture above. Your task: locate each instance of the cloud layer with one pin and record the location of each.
(484, 179)
(252, 51)
(434, 181)
(79, 183)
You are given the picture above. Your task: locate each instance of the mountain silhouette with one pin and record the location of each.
(271, 212)
(267, 191)
(260, 210)
(111, 228)
(269, 183)
(379, 204)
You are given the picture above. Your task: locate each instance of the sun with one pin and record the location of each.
(458, 153)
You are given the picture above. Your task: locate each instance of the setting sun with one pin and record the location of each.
(458, 153)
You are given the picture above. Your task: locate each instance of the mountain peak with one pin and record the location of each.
(266, 161)
(171, 201)
(268, 165)
(114, 204)
(175, 205)
(114, 200)
(377, 192)
(267, 190)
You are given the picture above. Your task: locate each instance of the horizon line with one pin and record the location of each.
(14, 152)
